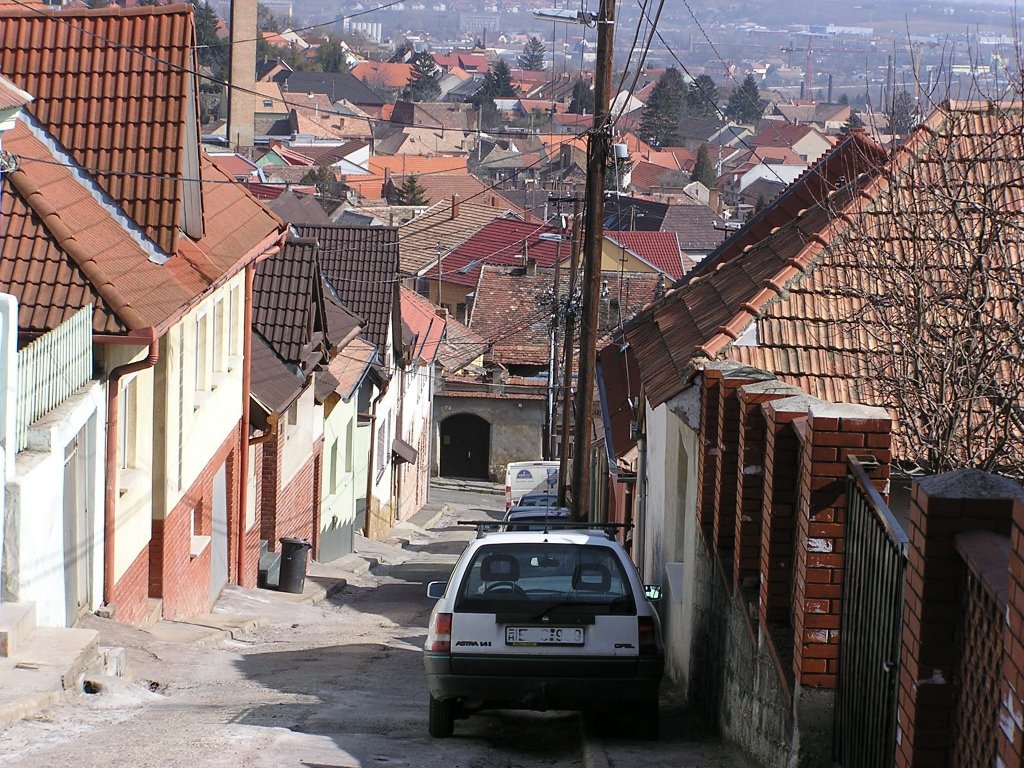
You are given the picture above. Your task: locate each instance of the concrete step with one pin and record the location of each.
(17, 620)
(154, 611)
(48, 667)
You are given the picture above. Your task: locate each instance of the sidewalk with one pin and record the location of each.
(51, 666)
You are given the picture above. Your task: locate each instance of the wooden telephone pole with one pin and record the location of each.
(597, 155)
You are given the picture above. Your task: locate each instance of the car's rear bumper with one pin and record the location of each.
(483, 682)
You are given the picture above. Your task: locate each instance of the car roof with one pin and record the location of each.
(536, 513)
(585, 537)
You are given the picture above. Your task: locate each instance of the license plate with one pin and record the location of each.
(533, 636)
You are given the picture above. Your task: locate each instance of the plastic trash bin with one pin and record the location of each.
(293, 564)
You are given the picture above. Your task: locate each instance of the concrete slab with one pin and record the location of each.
(17, 620)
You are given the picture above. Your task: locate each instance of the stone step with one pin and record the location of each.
(154, 611)
(48, 667)
(17, 620)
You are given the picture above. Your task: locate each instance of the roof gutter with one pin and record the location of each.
(110, 483)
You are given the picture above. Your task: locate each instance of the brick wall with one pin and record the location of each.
(1011, 695)
(292, 510)
(831, 434)
(130, 593)
(778, 511)
(751, 478)
(942, 506)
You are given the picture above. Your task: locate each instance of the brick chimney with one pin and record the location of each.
(455, 206)
(241, 98)
(531, 266)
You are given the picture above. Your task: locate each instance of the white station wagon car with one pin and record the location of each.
(543, 620)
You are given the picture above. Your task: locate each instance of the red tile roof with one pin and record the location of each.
(11, 95)
(501, 241)
(383, 73)
(439, 225)
(659, 249)
(437, 187)
(426, 326)
(108, 84)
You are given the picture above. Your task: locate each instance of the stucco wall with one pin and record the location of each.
(735, 678)
(517, 428)
(339, 490)
(35, 563)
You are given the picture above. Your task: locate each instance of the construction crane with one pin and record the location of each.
(808, 68)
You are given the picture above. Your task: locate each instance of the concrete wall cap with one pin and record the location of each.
(970, 484)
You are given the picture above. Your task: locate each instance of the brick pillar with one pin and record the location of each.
(778, 508)
(941, 507)
(709, 453)
(1011, 693)
(832, 432)
(751, 478)
(732, 378)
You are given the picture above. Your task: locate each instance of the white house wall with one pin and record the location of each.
(35, 510)
(670, 538)
(300, 437)
(340, 490)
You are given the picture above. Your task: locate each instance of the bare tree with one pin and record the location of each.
(933, 295)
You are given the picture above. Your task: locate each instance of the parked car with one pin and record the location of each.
(534, 518)
(538, 500)
(543, 620)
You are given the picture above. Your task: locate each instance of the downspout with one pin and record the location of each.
(110, 479)
(639, 540)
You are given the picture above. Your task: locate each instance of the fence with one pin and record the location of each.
(871, 626)
(51, 369)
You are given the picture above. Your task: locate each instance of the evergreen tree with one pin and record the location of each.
(582, 101)
(212, 51)
(902, 113)
(659, 122)
(424, 85)
(532, 56)
(411, 192)
(325, 181)
(702, 98)
(744, 104)
(498, 81)
(703, 170)
(330, 56)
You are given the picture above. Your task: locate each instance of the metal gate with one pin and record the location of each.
(876, 557)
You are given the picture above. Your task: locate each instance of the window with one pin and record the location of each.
(219, 352)
(127, 416)
(293, 414)
(382, 454)
(236, 320)
(349, 437)
(202, 354)
(334, 467)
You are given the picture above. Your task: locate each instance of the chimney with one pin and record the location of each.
(242, 99)
(526, 254)
(455, 206)
(531, 267)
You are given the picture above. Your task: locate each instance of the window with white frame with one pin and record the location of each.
(219, 350)
(202, 353)
(127, 423)
(382, 453)
(349, 438)
(334, 467)
(236, 320)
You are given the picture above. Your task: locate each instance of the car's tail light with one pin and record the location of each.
(439, 639)
(646, 636)
(508, 497)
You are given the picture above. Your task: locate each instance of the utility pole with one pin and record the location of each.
(569, 345)
(597, 154)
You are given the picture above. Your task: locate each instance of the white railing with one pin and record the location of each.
(52, 368)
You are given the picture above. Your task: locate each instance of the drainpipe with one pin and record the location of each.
(110, 487)
(639, 541)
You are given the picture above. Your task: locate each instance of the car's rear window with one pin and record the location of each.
(543, 577)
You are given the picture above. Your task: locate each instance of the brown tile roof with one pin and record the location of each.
(350, 364)
(659, 249)
(63, 236)
(108, 85)
(460, 346)
(383, 73)
(437, 187)
(297, 208)
(273, 384)
(287, 305)
(786, 302)
(513, 310)
(698, 227)
(437, 226)
(361, 265)
(412, 164)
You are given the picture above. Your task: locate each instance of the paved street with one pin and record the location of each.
(339, 684)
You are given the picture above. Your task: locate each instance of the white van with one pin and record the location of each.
(529, 477)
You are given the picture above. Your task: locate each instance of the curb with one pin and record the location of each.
(593, 751)
(29, 707)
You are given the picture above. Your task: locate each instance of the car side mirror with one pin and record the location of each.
(435, 589)
(652, 592)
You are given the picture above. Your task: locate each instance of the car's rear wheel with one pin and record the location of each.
(442, 718)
